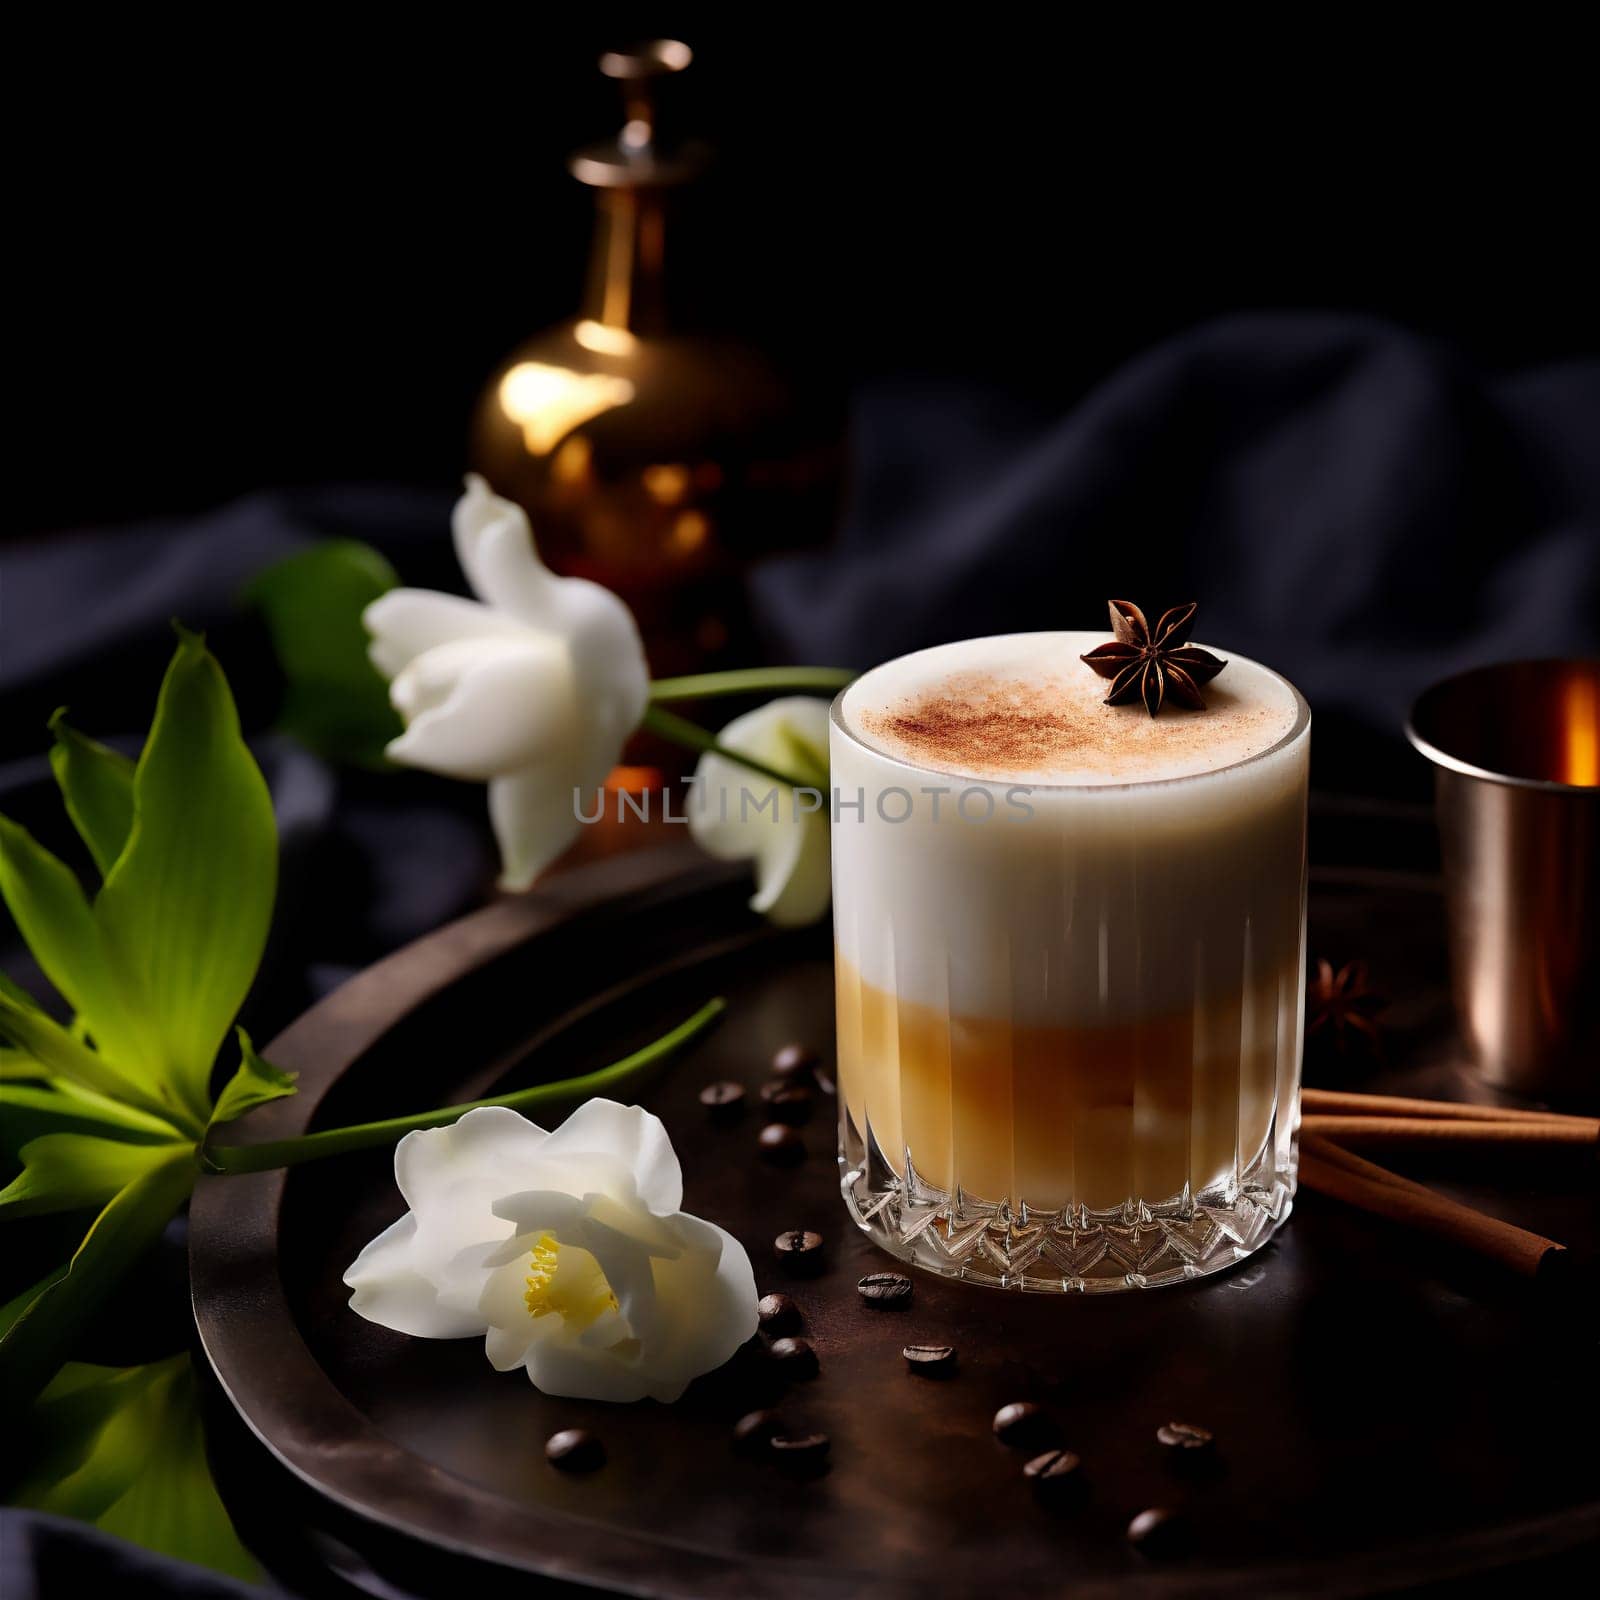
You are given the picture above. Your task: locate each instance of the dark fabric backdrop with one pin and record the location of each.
(1349, 502)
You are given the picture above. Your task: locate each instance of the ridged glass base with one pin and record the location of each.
(1138, 1245)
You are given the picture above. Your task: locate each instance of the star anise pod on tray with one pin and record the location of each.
(1341, 1007)
(1154, 666)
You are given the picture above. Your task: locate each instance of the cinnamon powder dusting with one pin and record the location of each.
(984, 725)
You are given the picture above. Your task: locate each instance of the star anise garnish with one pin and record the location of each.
(1154, 667)
(1341, 1006)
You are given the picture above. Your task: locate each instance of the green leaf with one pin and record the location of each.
(124, 1448)
(14, 1307)
(74, 1171)
(30, 1110)
(62, 932)
(255, 1083)
(335, 701)
(97, 784)
(58, 1053)
(35, 1346)
(185, 909)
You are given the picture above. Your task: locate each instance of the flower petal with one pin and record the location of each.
(477, 708)
(489, 1152)
(406, 622)
(634, 1138)
(535, 818)
(389, 1288)
(735, 815)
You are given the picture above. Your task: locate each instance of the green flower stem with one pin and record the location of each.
(749, 680)
(232, 1159)
(679, 730)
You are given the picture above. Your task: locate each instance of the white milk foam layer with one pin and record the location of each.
(1161, 870)
(1024, 708)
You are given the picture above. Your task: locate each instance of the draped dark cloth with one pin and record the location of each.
(1349, 502)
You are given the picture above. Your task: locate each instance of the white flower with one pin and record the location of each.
(736, 814)
(566, 1251)
(534, 690)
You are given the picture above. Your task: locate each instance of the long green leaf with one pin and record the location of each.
(39, 1341)
(335, 700)
(30, 1110)
(27, 1028)
(185, 909)
(96, 783)
(124, 1448)
(74, 1171)
(61, 930)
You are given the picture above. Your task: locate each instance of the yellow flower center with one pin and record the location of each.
(567, 1281)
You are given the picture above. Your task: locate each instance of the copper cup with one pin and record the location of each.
(1516, 754)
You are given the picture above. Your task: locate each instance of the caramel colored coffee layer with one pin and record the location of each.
(1058, 1116)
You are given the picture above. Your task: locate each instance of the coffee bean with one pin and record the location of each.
(1158, 1533)
(800, 1452)
(796, 1358)
(885, 1290)
(930, 1360)
(781, 1145)
(779, 1315)
(1054, 1474)
(754, 1431)
(724, 1101)
(1186, 1437)
(799, 1250)
(788, 1102)
(794, 1061)
(1022, 1424)
(574, 1450)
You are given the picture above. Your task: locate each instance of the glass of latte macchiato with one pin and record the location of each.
(1070, 954)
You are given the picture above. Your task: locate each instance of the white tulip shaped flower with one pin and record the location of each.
(534, 687)
(566, 1252)
(736, 814)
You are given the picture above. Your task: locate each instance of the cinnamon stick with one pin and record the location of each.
(1340, 1173)
(1344, 1102)
(1573, 1132)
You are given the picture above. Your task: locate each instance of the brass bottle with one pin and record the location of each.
(651, 455)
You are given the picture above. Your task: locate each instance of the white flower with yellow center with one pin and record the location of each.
(534, 687)
(566, 1252)
(736, 814)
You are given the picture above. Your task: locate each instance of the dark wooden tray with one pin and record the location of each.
(1384, 1417)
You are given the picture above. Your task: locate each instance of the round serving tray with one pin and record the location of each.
(1383, 1418)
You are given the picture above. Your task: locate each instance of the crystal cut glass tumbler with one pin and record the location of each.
(1070, 1014)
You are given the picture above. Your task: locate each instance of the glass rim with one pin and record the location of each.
(1299, 730)
(1459, 765)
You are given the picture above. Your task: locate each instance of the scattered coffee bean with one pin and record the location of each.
(574, 1450)
(799, 1250)
(930, 1360)
(1158, 1533)
(801, 1452)
(753, 1432)
(781, 1145)
(1186, 1437)
(885, 1290)
(794, 1061)
(779, 1315)
(796, 1358)
(788, 1102)
(1022, 1424)
(1054, 1474)
(725, 1101)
